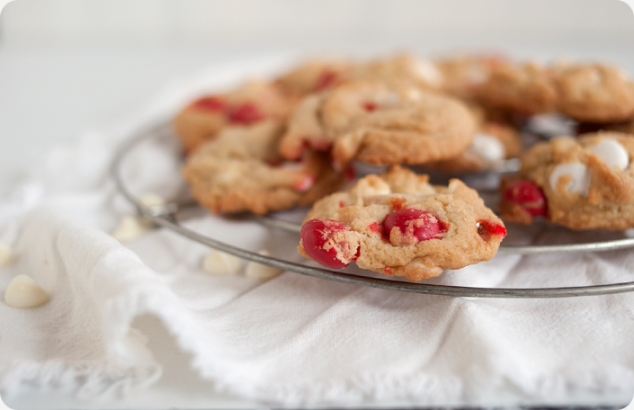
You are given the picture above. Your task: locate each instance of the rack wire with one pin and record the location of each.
(166, 216)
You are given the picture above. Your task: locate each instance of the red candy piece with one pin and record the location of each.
(527, 195)
(305, 183)
(374, 227)
(210, 104)
(325, 80)
(370, 106)
(319, 244)
(487, 229)
(246, 114)
(412, 226)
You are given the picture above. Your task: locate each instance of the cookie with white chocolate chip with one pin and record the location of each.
(493, 143)
(378, 123)
(247, 105)
(398, 224)
(241, 170)
(584, 183)
(464, 74)
(594, 93)
(318, 75)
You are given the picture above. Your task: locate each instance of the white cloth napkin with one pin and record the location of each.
(293, 340)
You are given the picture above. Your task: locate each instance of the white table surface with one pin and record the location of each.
(51, 96)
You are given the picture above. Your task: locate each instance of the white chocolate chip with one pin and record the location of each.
(262, 272)
(428, 72)
(221, 263)
(551, 124)
(129, 229)
(151, 200)
(23, 292)
(488, 147)
(612, 153)
(580, 178)
(6, 255)
(477, 75)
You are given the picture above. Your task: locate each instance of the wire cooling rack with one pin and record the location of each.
(167, 216)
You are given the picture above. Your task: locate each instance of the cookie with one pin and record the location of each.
(241, 170)
(318, 75)
(400, 69)
(580, 183)
(526, 88)
(249, 104)
(398, 224)
(594, 93)
(314, 76)
(379, 124)
(463, 75)
(493, 143)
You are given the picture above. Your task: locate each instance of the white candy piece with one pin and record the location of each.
(488, 147)
(580, 178)
(551, 124)
(221, 263)
(129, 229)
(262, 272)
(428, 72)
(612, 153)
(6, 255)
(150, 200)
(24, 293)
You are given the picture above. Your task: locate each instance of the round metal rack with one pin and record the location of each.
(166, 216)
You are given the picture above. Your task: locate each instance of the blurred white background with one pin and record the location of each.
(296, 24)
(67, 66)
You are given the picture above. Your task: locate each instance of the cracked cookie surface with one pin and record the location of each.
(379, 124)
(525, 88)
(398, 224)
(595, 93)
(241, 170)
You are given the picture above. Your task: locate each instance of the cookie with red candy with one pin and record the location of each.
(241, 170)
(247, 105)
(398, 224)
(580, 183)
(379, 123)
(319, 75)
(314, 76)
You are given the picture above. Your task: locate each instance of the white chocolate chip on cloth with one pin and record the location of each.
(23, 292)
(584, 183)
(130, 227)
(221, 263)
(380, 124)
(398, 224)
(241, 170)
(6, 255)
(259, 271)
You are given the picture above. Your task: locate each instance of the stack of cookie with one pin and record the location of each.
(270, 146)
